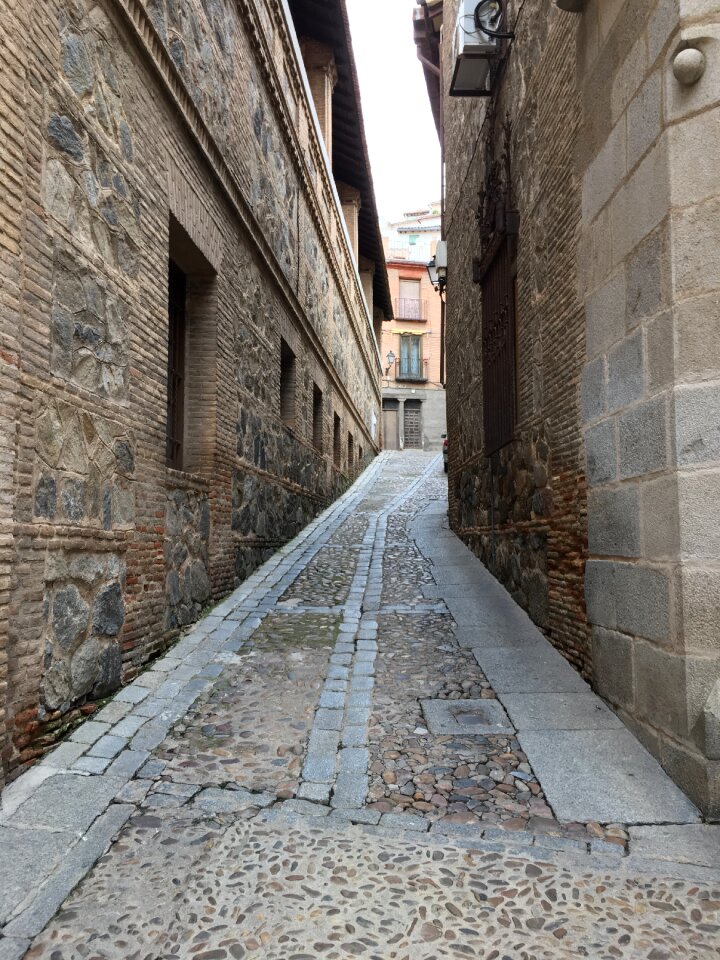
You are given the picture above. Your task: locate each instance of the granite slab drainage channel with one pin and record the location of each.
(335, 772)
(335, 780)
(62, 815)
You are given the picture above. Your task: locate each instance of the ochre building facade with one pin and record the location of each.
(411, 349)
(189, 366)
(583, 357)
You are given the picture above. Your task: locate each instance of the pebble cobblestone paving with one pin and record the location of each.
(279, 794)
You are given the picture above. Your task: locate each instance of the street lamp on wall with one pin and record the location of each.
(391, 358)
(437, 268)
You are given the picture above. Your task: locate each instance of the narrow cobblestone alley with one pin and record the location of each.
(366, 751)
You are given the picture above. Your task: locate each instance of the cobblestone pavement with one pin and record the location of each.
(339, 762)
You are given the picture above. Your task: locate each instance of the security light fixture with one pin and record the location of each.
(437, 268)
(477, 42)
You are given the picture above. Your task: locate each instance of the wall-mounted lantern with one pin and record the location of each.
(437, 268)
(391, 358)
(477, 42)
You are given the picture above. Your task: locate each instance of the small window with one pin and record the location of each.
(351, 454)
(317, 421)
(360, 457)
(337, 442)
(288, 376)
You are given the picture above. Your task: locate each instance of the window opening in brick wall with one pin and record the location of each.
(177, 332)
(360, 457)
(351, 453)
(498, 351)
(288, 380)
(337, 441)
(192, 356)
(317, 421)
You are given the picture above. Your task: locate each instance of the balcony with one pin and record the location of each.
(411, 309)
(412, 369)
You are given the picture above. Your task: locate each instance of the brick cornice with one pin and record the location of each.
(149, 42)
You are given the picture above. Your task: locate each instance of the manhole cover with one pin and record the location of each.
(472, 718)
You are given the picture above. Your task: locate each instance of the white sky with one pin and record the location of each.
(401, 136)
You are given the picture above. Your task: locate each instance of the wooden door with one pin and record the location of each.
(413, 425)
(390, 429)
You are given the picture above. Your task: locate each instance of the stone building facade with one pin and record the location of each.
(189, 364)
(594, 167)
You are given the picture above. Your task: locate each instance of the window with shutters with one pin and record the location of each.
(409, 305)
(411, 365)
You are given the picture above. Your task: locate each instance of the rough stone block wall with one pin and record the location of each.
(649, 160)
(523, 512)
(138, 131)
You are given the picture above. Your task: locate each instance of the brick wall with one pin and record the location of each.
(126, 127)
(524, 510)
(11, 293)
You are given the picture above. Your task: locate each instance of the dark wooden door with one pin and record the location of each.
(498, 342)
(413, 425)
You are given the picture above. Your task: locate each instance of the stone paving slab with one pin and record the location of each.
(695, 844)
(75, 865)
(606, 776)
(484, 635)
(12, 948)
(560, 711)
(533, 670)
(66, 802)
(26, 858)
(466, 717)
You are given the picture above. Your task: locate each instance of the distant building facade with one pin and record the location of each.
(193, 285)
(581, 216)
(413, 394)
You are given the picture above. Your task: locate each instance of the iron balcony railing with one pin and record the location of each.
(411, 368)
(411, 309)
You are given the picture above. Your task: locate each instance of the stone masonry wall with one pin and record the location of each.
(523, 512)
(649, 156)
(12, 162)
(148, 129)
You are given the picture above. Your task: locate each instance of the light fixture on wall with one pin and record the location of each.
(477, 42)
(437, 268)
(391, 358)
